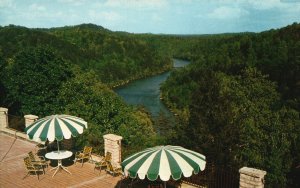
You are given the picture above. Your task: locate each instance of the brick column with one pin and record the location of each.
(3, 118)
(29, 119)
(252, 178)
(112, 143)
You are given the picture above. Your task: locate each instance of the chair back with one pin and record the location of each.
(31, 156)
(27, 162)
(113, 169)
(87, 150)
(110, 167)
(108, 157)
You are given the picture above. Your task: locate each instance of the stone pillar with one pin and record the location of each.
(29, 119)
(252, 178)
(3, 118)
(112, 143)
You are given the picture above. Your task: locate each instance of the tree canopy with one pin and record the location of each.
(32, 81)
(238, 101)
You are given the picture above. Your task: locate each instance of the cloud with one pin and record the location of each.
(73, 2)
(6, 3)
(264, 5)
(290, 1)
(285, 9)
(149, 4)
(105, 15)
(271, 4)
(35, 7)
(156, 18)
(226, 12)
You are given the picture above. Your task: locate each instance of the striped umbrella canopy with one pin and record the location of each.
(56, 127)
(165, 162)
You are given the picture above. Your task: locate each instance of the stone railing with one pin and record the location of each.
(252, 178)
(112, 143)
(249, 177)
(4, 127)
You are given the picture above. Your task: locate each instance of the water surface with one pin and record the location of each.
(146, 92)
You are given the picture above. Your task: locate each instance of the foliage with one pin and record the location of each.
(2, 66)
(231, 112)
(86, 97)
(38, 81)
(58, 78)
(32, 80)
(235, 120)
(238, 101)
(116, 58)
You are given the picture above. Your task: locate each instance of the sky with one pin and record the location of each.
(154, 16)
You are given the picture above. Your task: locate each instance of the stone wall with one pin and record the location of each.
(252, 178)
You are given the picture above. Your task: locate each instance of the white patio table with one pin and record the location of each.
(59, 155)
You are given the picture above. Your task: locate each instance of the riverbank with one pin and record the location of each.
(146, 92)
(125, 82)
(144, 75)
(168, 68)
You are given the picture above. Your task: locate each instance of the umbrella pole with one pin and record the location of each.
(164, 184)
(57, 145)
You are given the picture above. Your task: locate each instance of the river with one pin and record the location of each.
(146, 92)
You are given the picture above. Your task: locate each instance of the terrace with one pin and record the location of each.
(15, 146)
(12, 171)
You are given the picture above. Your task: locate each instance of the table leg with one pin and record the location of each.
(57, 169)
(65, 169)
(54, 168)
(59, 165)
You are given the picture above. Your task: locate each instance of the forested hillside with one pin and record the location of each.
(238, 101)
(70, 70)
(115, 58)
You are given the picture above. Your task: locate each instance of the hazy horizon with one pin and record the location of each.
(154, 16)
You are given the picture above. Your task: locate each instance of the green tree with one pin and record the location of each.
(105, 112)
(237, 121)
(32, 81)
(2, 89)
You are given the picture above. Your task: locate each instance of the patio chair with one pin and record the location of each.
(104, 161)
(37, 160)
(32, 168)
(86, 153)
(114, 169)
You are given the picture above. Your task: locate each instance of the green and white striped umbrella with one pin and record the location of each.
(56, 127)
(165, 162)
